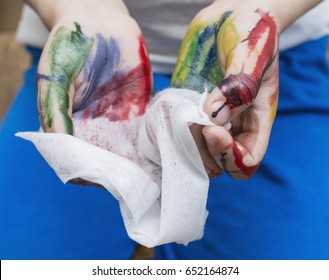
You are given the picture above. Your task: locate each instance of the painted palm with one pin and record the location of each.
(88, 75)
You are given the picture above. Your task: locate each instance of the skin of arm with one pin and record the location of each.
(286, 12)
(289, 11)
(50, 11)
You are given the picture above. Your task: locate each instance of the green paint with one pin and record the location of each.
(67, 55)
(198, 65)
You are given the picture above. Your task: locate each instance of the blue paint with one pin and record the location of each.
(51, 78)
(99, 69)
(210, 33)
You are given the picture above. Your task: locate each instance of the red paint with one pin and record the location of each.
(243, 88)
(239, 89)
(238, 155)
(145, 62)
(126, 91)
(266, 23)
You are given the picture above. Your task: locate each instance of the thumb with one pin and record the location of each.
(246, 65)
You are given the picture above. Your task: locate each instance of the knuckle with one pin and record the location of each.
(240, 89)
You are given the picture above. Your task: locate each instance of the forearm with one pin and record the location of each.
(51, 10)
(289, 11)
(285, 11)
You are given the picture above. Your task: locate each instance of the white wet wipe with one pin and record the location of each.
(150, 164)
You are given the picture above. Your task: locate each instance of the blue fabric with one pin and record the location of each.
(283, 211)
(40, 218)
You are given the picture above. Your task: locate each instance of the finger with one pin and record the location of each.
(233, 158)
(62, 60)
(212, 168)
(246, 51)
(240, 152)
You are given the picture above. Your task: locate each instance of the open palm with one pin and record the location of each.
(93, 68)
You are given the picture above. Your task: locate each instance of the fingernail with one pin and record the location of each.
(220, 112)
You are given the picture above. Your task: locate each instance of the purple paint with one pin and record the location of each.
(99, 69)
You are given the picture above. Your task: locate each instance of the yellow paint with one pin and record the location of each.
(227, 39)
(274, 107)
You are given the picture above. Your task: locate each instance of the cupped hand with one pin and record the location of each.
(231, 50)
(94, 64)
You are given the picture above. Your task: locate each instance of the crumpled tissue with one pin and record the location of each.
(150, 164)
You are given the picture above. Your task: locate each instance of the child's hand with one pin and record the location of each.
(232, 51)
